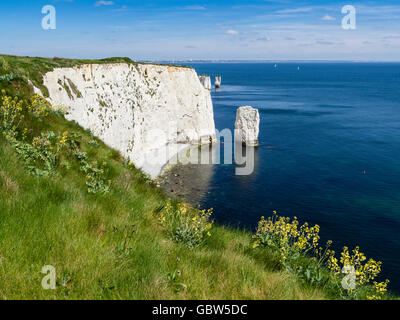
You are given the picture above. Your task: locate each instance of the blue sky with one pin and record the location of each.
(175, 30)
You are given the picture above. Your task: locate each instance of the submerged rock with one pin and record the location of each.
(205, 81)
(247, 126)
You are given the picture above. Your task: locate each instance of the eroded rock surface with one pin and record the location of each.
(147, 112)
(247, 125)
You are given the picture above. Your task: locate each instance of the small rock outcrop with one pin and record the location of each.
(205, 81)
(247, 126)
(218, 81)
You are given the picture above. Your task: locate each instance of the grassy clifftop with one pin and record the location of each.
(69, 201)
(20, 69)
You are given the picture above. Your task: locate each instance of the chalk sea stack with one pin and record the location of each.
(218, 81)
(247, 126)
(205, 81)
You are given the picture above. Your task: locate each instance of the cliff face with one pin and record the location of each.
(205, 80)
(147, 112)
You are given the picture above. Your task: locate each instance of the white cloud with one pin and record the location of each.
(232, 32)
(194, 8)
(118, 27)
(298, 10)
(328, 18)
(122, 9)
(103, 3)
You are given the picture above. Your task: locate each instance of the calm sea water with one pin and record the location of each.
(321, 127)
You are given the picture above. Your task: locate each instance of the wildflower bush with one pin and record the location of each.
(39, 107)
(38, 155)
(44, 153)
(187, 225)
(41, 155)
(10, 114)
(286, 236)
(95, 181)
(351, 276)
(13, 111)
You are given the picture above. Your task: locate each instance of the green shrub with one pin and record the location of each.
(4, 64)
(11, 77)
(10, 114)
(46, 152)
(39, 156)
(95, 181)
(300, 253)
(93, 143)
(187, 225)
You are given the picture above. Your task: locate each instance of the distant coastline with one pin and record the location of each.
(263, 61)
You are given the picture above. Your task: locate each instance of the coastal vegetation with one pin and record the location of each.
(69, 201)
(22, 69)
(296, 244)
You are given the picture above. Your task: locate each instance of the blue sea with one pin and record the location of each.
(329, 151)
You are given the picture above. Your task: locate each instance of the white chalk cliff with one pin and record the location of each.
(147, 112)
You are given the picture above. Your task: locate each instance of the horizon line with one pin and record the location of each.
(266, 60)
